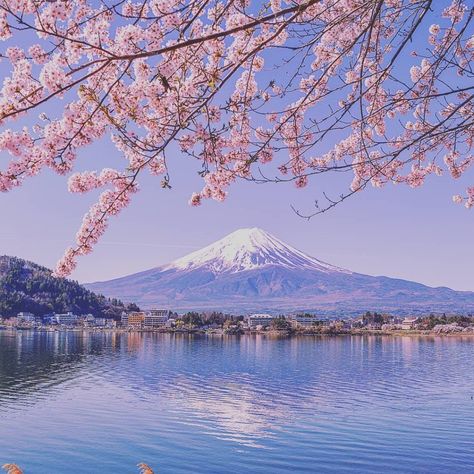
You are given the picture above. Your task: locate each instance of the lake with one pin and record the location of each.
(84, 402)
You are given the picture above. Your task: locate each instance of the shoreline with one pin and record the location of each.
(270, 333)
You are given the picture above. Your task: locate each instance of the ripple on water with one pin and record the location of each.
(85, 403)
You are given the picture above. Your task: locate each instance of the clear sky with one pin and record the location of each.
(397, 231)
(416, 234)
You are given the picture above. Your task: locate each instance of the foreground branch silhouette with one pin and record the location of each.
(352, 94)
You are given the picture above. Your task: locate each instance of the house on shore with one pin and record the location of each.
(25, 317)
(259, 319)
(305, 320)
(156, 318)
(409, 323)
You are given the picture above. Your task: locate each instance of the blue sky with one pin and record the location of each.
(396, 231)
(416, 234)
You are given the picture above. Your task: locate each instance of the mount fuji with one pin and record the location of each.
(251, 270)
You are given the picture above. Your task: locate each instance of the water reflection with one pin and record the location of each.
(183, 400)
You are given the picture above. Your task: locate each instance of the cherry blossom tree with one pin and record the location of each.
(382, 89)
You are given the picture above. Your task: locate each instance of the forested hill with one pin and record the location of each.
(25, 286)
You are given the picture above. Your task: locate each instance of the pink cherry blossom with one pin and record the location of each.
(281, 91)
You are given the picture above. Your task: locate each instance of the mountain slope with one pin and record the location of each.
(248, 249)
(253, 270)
(25, 286)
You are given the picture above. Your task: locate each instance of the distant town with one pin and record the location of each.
(165, 320)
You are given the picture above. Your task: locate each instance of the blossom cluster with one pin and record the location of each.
(201, 75)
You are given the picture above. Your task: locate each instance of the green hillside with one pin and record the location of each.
(25, 286)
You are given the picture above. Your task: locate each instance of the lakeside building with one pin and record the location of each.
(171, 323)
(390, 327)
(136, 319)
(89, 319)
(356, 323)
(305, 320)
(105, 323)
(164, 313)
(49, 319)
(374, 326)
(409, 323)
(124, 319)
(64, 319)
(156, 318)
(397, 320)
(86, 320)
(259, 319)
(25, 317)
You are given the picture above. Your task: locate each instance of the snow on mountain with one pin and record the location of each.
(251, 270)
(248, 249)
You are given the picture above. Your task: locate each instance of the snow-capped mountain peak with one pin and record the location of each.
(248, 249)
(251, 270)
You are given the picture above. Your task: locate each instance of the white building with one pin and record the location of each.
(409, 323)
(156, 318)
(303, 320)
(86, 320)
(26, 317)
(124, 319)
(164, 313)
(259, 319)
(66, 319)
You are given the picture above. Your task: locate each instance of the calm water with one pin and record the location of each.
(100, 403)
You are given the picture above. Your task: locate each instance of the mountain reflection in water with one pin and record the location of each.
(87, 402)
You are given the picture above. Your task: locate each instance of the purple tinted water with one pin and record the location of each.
(87, 403)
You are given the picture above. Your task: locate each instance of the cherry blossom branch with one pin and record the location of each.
(293, 90)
